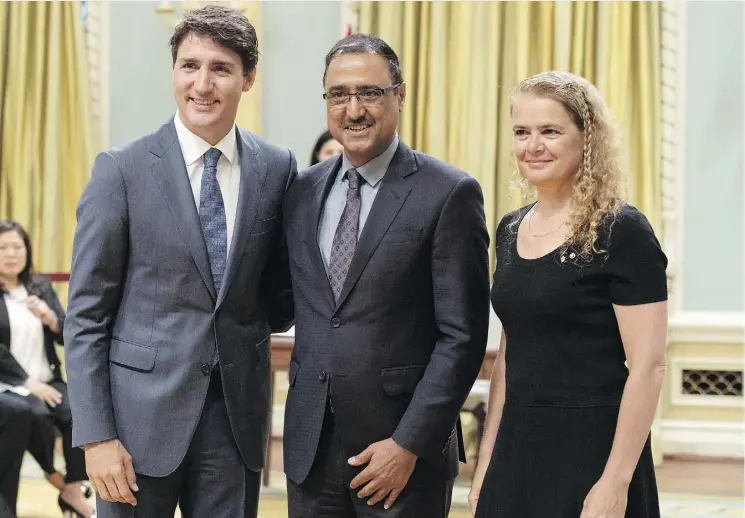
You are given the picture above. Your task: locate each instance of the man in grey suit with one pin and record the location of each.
(389, 260)
(179, 275)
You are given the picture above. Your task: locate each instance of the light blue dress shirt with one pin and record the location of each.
(373, 172)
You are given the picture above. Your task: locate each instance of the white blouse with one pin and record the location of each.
(27, 337)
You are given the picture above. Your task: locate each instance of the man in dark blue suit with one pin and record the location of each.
(389, 258)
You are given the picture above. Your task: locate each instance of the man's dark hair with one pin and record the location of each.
(225, 26)
(366, 44)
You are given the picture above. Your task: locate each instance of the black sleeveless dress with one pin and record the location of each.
(566, 370)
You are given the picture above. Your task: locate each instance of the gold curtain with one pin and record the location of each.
(46, 137)
(461, 59)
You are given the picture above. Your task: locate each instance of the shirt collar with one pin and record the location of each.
(374, 170)
(194, 147)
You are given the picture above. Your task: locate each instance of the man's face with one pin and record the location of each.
(208, 81)
(365, 128)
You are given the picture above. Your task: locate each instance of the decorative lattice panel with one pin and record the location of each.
(701, 382)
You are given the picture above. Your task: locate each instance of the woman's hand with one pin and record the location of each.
(606, 499)
(473, 500)
(46, 393)
(476, 483)
(40, 308)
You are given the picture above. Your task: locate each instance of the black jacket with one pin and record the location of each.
(10, 371)
(400, 351)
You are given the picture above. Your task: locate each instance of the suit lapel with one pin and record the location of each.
(250, 190)
(4, 323)
(315, 208)
(170, 174)
(394, 190)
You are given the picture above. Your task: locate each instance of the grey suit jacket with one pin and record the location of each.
(143, 316)
(400, 351)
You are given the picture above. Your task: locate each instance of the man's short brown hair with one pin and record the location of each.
(225, 26)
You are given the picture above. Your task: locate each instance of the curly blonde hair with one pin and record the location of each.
(597, 191)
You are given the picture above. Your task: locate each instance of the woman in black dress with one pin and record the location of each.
(580, 289)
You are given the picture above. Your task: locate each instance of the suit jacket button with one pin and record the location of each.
(206, 369)
(322, 376)
(335, 322)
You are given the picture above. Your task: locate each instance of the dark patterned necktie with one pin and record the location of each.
(345, 238)
(212, 217)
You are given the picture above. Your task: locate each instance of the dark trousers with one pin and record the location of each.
(326, 492)
(15, 430)
(5, 511)
(212, 480)
(46, 421)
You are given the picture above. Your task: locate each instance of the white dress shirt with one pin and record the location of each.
(193, 149)
(26, 338)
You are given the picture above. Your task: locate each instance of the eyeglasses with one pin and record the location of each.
(366, 96)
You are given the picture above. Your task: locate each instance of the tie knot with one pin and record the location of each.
(211, 157)
(354, 178)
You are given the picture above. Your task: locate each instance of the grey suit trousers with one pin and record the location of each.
(211, 481)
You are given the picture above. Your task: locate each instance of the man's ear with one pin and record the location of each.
(248, 80)
(401, 97)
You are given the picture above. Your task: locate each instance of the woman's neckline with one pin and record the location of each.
(533, 260)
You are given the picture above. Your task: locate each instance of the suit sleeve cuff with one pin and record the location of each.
(82, 435)
(409, 442)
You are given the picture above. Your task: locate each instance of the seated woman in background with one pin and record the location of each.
(325, 148)
(31, 319)
(581, 290)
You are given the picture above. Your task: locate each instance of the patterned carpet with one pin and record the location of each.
(38, 500)
(672, 505)
(700, 506)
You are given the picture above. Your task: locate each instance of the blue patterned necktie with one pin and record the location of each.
(345, 238)
(212, 217)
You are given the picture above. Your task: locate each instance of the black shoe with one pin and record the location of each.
(85, 487)
(69, 511)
